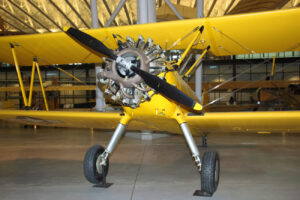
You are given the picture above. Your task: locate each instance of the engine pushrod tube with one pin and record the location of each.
(116, 137)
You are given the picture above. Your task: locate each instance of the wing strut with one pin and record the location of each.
(196, 62)
(190, 45)
(41, 82)
(35, 64)
(19, 74)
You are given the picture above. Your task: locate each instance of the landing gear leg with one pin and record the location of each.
(191, 144)
(96, 162)
(209, 167)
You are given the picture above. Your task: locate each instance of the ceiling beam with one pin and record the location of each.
(127, 14)
(16, 18)
(229, 7)
(116, 12)
(29, 15)
(78, 15)
(2, 24)
(172, 7)
(89, 8)
(109, 11)
(43, 13)
(63, 14)
(211, 8)
(160, 2)
(12, 25)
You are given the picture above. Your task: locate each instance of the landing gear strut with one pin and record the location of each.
(96, 162)
(209, 166)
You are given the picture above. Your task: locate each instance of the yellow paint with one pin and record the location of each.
(197, 107)
(263, 132)
(162, 114)
(196, 62)
(42, 87)
(66, 28)
(273, 66)
(125, 118)
(188, 48)
(31, 83)
(19, 74)
(255, 31)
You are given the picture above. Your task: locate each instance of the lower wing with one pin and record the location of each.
(258, 122)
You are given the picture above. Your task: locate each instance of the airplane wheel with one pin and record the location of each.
(89, 165)
(210, 171)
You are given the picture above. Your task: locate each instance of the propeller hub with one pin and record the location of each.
(121, 66)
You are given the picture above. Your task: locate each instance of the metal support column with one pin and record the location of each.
(142, 10)
(199, 71)
(100, 101)
(151, 11)
(94, 12)
(115, 13)
(200, 9)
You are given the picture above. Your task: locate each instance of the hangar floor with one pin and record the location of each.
(47, 164)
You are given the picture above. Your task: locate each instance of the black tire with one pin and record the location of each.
(210, 172)
(89, 165)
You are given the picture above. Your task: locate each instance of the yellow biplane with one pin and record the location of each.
(153, 94)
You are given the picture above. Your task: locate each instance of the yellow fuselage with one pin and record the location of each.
(160, 106)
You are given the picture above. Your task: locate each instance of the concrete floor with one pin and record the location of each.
(47, 164)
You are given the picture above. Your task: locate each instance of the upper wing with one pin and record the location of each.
(273, 31)
(258, 122)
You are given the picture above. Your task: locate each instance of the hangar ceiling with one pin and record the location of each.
(39, 16)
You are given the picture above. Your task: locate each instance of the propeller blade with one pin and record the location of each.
(89, 42)
(167, 89)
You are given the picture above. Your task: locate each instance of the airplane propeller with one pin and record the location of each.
(89, 42)
(159, 85)
(167, 89)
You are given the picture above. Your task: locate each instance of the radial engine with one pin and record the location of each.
(124, 85)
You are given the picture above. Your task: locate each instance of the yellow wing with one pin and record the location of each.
(273, 31)
(63, 119)
(257, 122)
(105, 121)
